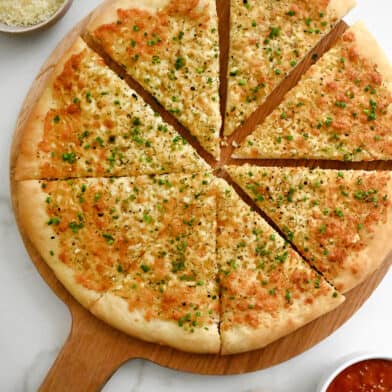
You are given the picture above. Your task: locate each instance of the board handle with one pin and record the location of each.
(88, 358)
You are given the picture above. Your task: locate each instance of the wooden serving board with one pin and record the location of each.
(94, 350)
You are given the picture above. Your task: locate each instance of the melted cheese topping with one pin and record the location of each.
(173, 54)
(260, 274)
(341, 110)
(268, 39)
(148, 240)
(98, 126)
(329, 215)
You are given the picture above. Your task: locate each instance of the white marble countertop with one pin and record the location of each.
(34, 323)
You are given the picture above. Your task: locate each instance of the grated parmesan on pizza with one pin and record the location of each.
(172, 49)
(340, 110)
(90, 123)
(338, 220)
(268, 38)
(267, 289)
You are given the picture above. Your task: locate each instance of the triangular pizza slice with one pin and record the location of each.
(171, 48)
(139, 252)
(341, 221)
(89, 123)
(267, 289)
(171, 295)
(340, 110)
(268, 38)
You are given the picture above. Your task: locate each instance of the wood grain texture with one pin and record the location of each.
(94, 350)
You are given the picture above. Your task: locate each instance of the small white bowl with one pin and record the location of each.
(42, 25)
(344, 363)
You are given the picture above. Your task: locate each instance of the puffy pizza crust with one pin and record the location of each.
(372, 257)
(371, 49)
(27, 165)
(114, 311)
(244, 338)
(340, 8)
(32, 215)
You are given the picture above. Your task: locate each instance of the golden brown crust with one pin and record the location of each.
(244, 338)
(114, 311)
(27, 165)
(371, 50)
(33, 217)
(339, 8)
(370, 258)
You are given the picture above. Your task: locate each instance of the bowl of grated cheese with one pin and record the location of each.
(24, 16)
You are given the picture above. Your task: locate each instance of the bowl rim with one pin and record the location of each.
(347, 361)
(61, 11)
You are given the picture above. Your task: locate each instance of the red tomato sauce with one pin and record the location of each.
(373, 375)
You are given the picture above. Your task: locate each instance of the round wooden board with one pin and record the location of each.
(94, 350)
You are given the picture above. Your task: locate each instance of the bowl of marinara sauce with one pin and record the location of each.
(361, 373)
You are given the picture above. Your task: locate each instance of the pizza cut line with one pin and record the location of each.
(88, 123)
(171, 49)
(268, 39)
(146, 243)
(339, 220)
(144, 233)
(340, 110)
(150, 256)
(267, 289)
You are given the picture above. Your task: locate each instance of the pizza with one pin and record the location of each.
(268, 38)
(160, 243)
(340, 221)
(340, 110)
(267, 289)
(171, 48)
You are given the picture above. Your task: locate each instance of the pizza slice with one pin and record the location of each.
(341, 221)
(340, 110)
(171, 296)
(267, 289)
(171, 48)
(268, 38)
(103, 238)
(88, 123)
